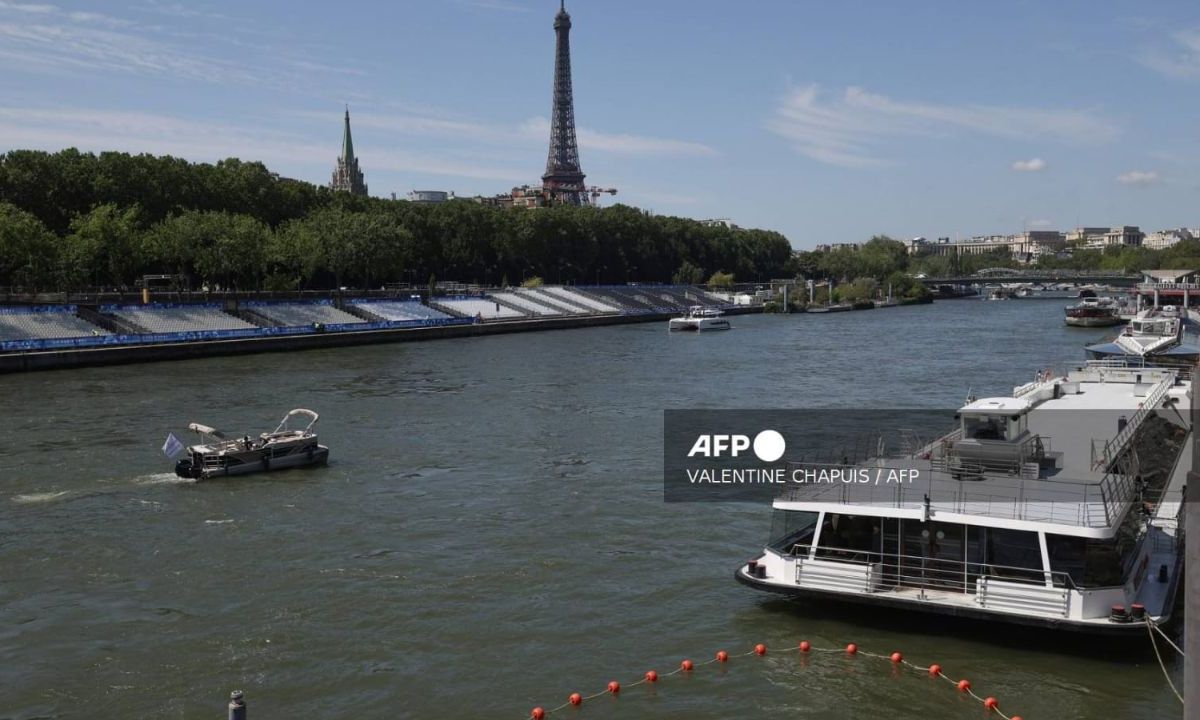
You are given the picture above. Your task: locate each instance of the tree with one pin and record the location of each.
(721, 279)
(28, 251)
(103, 248)
(688, 274)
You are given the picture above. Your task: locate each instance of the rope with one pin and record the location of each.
(1159, 630)
(1161, 664)
(962, 685)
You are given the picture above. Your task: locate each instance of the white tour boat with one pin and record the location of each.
(1156, 335)
(1032, 511)
(279, 449)
(699, 318)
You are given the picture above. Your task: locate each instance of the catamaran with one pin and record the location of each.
(1157, 335)
(699, 318)
(282, 448)
(1040, 508)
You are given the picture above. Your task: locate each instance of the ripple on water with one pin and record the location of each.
(42, 497)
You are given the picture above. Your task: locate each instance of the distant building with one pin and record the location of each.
(525, 196)
(430, 197)
(346, 176)
(1098, 238)
(1026, 247)
(1166, 238)
(830, 247)
(719, 222)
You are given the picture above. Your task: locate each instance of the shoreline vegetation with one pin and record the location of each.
(71, 220)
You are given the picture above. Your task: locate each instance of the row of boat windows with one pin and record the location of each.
(952, 551)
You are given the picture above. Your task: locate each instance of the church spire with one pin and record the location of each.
(346, 175)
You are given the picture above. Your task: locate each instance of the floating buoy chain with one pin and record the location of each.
(687, 666)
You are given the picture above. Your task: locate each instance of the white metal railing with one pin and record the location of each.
(1168, 286)
(1113, 446)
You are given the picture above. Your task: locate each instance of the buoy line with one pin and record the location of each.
(804, 647)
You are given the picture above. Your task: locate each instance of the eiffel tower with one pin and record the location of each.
(563, 180)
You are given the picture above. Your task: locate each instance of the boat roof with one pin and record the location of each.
(997, 406)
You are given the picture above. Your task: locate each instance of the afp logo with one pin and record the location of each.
(768, 446)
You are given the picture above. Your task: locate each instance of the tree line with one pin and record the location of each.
(71, 220)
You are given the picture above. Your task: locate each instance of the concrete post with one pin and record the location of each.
(237, 706)
(1191, 560)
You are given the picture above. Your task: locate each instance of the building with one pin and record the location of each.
(1027, 247)
(719, 222)
(430, 197)
(346, 175)
(1164, 239)
(1098, 238)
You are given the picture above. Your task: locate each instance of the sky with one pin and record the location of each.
(829, 122)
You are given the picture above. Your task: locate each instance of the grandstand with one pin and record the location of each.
(399, 310)
(539, 296)
(579, 298)
(176, 318)
(303, 314)
(477, 307)
(19, 323)
(527, 304)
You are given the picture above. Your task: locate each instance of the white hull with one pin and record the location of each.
(698, 324)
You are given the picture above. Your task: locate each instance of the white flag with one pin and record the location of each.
(172, 446)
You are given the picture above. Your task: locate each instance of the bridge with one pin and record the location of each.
(1102, 277)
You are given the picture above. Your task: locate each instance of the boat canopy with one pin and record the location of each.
(313, 417)
(206, 430)
(997, 406)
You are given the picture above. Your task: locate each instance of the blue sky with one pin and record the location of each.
(827, 121)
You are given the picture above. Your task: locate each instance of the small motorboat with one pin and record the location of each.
(1094, 312)
(282, 448)
(699, 318)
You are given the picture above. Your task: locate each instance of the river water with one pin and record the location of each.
(490, 534)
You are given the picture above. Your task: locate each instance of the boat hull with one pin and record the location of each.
(1094, 321)
(698, 324)
(319, 456)
(961, 611)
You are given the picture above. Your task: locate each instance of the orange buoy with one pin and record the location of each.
(760, 649)
(897, 657)
(686, 665)
(804, 646)
(575, 699)
(1015, 717)
(722, 656)
(964, 685)
(851, 649)
(991, 703)
(614, 687)
(935, 669)
(538, 713)
(651, 676)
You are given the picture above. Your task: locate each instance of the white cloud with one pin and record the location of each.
(1178, 57)
(849, 129)
(621, 143)
(1030, 165)
(1138, 177)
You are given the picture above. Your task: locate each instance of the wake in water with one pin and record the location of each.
(162, 479)
(40, 497)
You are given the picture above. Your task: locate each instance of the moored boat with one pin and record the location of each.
(1094, 312)
(280, 449)
(1034, 510)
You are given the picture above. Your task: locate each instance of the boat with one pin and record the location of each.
(699, 318)
(1033, 511)
(1156, 335)
(1094, 312)
(280, 449)
(999, 293)
(1060, 291)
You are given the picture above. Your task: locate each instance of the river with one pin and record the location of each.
(490, 534)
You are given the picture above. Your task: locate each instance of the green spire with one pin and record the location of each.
(347, 143)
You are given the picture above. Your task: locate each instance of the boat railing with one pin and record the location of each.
(1103, 455)
(985, 493)
(933, 576)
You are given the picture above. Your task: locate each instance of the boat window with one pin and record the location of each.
(790, 528)
(849, 537)
(1090, 562)
(985, 427)
(1014, 554)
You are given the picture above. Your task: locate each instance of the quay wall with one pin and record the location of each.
(58, 359)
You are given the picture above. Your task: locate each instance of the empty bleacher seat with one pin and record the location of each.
(304, 314)
(541, 297)
(400, 310)
(27, 324)
(578, 298)
(483, 307)
(528, 304)
(181, 318)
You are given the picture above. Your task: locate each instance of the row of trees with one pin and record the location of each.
(70, 220)
(882, 258)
